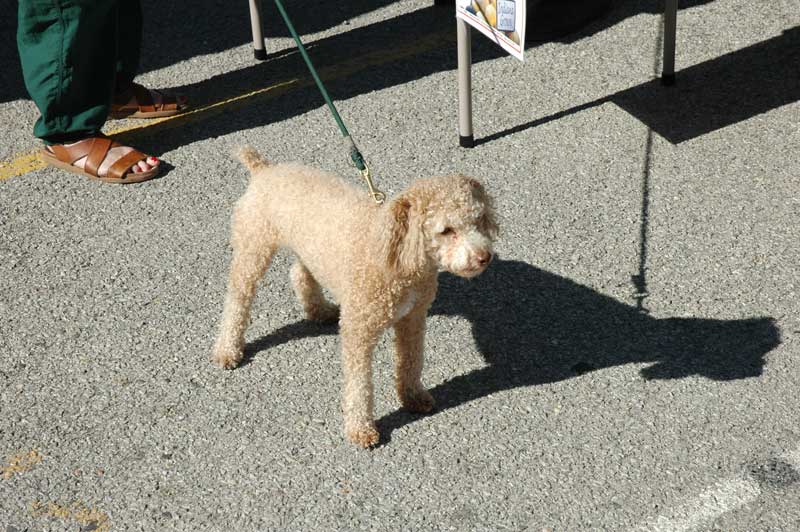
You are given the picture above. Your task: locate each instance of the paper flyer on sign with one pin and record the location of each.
(503, 21)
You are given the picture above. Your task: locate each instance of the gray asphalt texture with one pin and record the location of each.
(565, 402)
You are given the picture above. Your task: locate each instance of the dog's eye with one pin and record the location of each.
(447, 231)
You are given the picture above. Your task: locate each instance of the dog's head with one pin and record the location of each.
(443, 222)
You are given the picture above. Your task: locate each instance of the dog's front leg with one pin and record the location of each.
(358, 343)
(409, 343)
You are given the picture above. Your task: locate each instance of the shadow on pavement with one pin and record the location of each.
(533, 327)
(175, 32)
(708, 96)
(720, 92)
(300, 329)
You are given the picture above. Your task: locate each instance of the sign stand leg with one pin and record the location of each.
(670, 22)
(465, 136)
(259, 49)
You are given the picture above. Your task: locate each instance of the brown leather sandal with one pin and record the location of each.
(144, 106)
(96, 149)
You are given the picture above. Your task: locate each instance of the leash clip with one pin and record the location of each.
(376, 194)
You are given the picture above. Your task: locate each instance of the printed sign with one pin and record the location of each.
(503, 21)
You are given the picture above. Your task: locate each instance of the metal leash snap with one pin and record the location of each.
(376, 194)
(357, 160)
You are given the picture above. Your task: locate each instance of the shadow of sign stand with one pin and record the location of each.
(466, 138)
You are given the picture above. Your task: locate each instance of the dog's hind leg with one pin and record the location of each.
(254, 244)
(309, 293)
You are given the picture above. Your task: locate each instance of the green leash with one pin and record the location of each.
(355, 155)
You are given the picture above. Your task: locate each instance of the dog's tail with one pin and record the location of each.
(251, 158)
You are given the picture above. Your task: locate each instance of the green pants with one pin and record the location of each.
(75, 54)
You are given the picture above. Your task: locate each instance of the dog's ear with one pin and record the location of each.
(405, 246)
(488, 221)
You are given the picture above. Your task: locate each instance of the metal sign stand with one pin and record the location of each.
(466, 138)
(259, 48)
(670, 23)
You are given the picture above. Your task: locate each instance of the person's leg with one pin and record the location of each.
(68, 64)
(69, 67)
(129, 43)
(130, 101)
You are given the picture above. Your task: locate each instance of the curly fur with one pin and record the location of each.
(379, 262)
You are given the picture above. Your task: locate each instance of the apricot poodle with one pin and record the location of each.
(379, 262)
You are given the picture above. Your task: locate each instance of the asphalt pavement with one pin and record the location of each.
(630, 362)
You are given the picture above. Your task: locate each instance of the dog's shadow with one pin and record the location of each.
(534, 327)
(287, 333)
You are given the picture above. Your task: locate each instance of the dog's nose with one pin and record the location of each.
(484, 258)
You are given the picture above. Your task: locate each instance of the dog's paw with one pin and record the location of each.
(365, 436)
(226, 358)
(420, 402)
(323, 313)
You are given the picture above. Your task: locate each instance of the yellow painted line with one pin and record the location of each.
(20, 463)
(201, 113)
(76, 511)
(30, 161)
(21, 164)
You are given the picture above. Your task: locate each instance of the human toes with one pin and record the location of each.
(145, 165)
